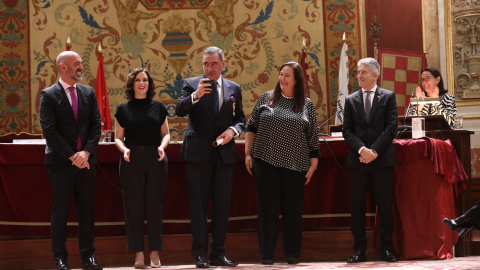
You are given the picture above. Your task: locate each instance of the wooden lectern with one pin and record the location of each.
(432, 122)
(437, 127)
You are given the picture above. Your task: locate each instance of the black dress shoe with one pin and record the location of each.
(358, 256)
(222, 261)
(201, 262)
(267, 262)
(91, 264)
(389, 256)
(62, 264)
(292, 260)
(461, 226)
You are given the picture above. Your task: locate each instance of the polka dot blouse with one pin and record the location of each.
(284, 138)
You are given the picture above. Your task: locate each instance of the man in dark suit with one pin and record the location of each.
(369, 127)
(71, 125)
(215, 114)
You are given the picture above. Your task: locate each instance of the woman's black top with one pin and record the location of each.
(142, 120)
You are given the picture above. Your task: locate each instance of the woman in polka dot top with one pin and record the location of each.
(281, 152)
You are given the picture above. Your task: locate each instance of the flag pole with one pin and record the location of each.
(304, 66)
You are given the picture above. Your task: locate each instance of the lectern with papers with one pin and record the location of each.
(432, 122)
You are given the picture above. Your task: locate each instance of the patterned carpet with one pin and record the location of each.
(462, 263)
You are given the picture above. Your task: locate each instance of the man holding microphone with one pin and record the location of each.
(215, 117)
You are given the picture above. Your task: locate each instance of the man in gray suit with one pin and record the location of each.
(369, 127)
(71, 125)
(215, 114)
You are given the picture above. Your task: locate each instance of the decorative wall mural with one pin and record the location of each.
(14, 65)
(168, 38)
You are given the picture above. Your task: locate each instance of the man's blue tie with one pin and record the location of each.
(215, 97)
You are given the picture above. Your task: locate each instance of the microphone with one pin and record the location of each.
(408, 107)
(218, 142)
(405, 127)
(326, 121)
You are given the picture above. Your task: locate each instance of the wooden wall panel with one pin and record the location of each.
(401, 24)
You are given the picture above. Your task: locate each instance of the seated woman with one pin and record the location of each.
(465, 222)
(432, 86)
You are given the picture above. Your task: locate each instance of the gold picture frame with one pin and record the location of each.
(453, 46)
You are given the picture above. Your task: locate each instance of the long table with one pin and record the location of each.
(25, 194)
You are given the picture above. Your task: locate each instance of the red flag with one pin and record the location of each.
(102, 95)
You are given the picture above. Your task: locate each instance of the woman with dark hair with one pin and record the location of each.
(432, 86)
(282, 151)
(142, 134)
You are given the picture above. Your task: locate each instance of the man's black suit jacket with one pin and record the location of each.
(204, 126)
(376, 134)
(60, 128)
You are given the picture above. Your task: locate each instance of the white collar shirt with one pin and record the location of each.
(67, 91)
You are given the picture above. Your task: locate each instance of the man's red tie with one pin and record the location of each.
(73, 95)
